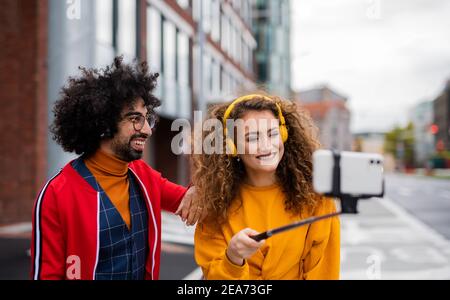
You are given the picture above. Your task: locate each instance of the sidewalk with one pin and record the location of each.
(18, 230)
(435, 173)
(385, 242)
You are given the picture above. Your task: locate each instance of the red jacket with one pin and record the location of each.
(65, 239)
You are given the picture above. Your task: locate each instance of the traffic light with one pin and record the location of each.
(434, 129)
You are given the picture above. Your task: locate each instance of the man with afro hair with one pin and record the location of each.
(100, 216)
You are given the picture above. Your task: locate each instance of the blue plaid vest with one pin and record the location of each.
(122, 252)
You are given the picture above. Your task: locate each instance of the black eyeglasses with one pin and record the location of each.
(138, 121)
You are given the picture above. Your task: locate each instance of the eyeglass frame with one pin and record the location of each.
(139, 119)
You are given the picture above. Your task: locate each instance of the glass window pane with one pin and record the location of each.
(104, 21)
(183, 59)
(225, 33)
(154, 39)
(183, 3)
(126, 43)
(169, 50)
(215, 26)
(169, 71)
(206, 74)
(206, 15)
(195, 9)
(216, 79)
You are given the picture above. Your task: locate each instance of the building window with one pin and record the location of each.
(248, 10)
(245, 57)
(222, 88)
(183, 3)
(195, 9)
(215, 19)
(104, 22)
(225, 82)
(183, 88)
(154, 36)
(206, 15)
(250, 58)
(182, 59)
(232, 45)
(225, 33)
(239, 43)
(216, 78)
(262, 71)
(169, 67)
(275, 68)
(104, 32)
(126, 29)
(207, 75)
(285, 18)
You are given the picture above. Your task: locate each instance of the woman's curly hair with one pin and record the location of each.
(217, 177)
(90, 106)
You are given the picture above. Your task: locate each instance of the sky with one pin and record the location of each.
(385, 55)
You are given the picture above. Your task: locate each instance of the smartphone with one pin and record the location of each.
(351, 174)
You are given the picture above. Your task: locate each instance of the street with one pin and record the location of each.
(402, 236)
(426, 198)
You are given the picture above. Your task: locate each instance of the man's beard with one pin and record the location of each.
(125, 152)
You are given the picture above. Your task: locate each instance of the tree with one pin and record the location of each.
(400, 143)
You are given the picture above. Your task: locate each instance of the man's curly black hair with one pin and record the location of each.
(91, 104)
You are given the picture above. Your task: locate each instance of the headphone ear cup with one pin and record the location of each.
(284, 133)
(231, 147)
(107, 134)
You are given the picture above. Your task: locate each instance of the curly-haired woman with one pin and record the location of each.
(100, 216)
(267, 185)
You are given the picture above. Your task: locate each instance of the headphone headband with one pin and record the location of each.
(229, 142)
(247, 98)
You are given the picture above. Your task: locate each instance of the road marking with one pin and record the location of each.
(175, 231)
(421, 227)
(345, 250)
(353, 233)
(445, 194)
(16, 228)
(405, 192)
(197, 274)
(429, 274)
(400, 238)
(419, 255)
(175, 249)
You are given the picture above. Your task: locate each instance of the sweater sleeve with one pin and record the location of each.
(321, 260)
(47, 244)
(210, 255)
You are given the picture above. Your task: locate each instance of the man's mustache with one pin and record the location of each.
(139, 136)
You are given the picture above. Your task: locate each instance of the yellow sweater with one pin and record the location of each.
(308, 252)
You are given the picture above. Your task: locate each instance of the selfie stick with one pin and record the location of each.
(269, 233)
(336, 187)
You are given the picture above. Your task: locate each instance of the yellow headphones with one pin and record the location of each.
(229, 142)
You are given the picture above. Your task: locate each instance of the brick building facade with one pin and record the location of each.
(23, 113)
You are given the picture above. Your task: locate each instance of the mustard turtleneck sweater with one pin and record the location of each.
(112, 175)
(308, 252)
